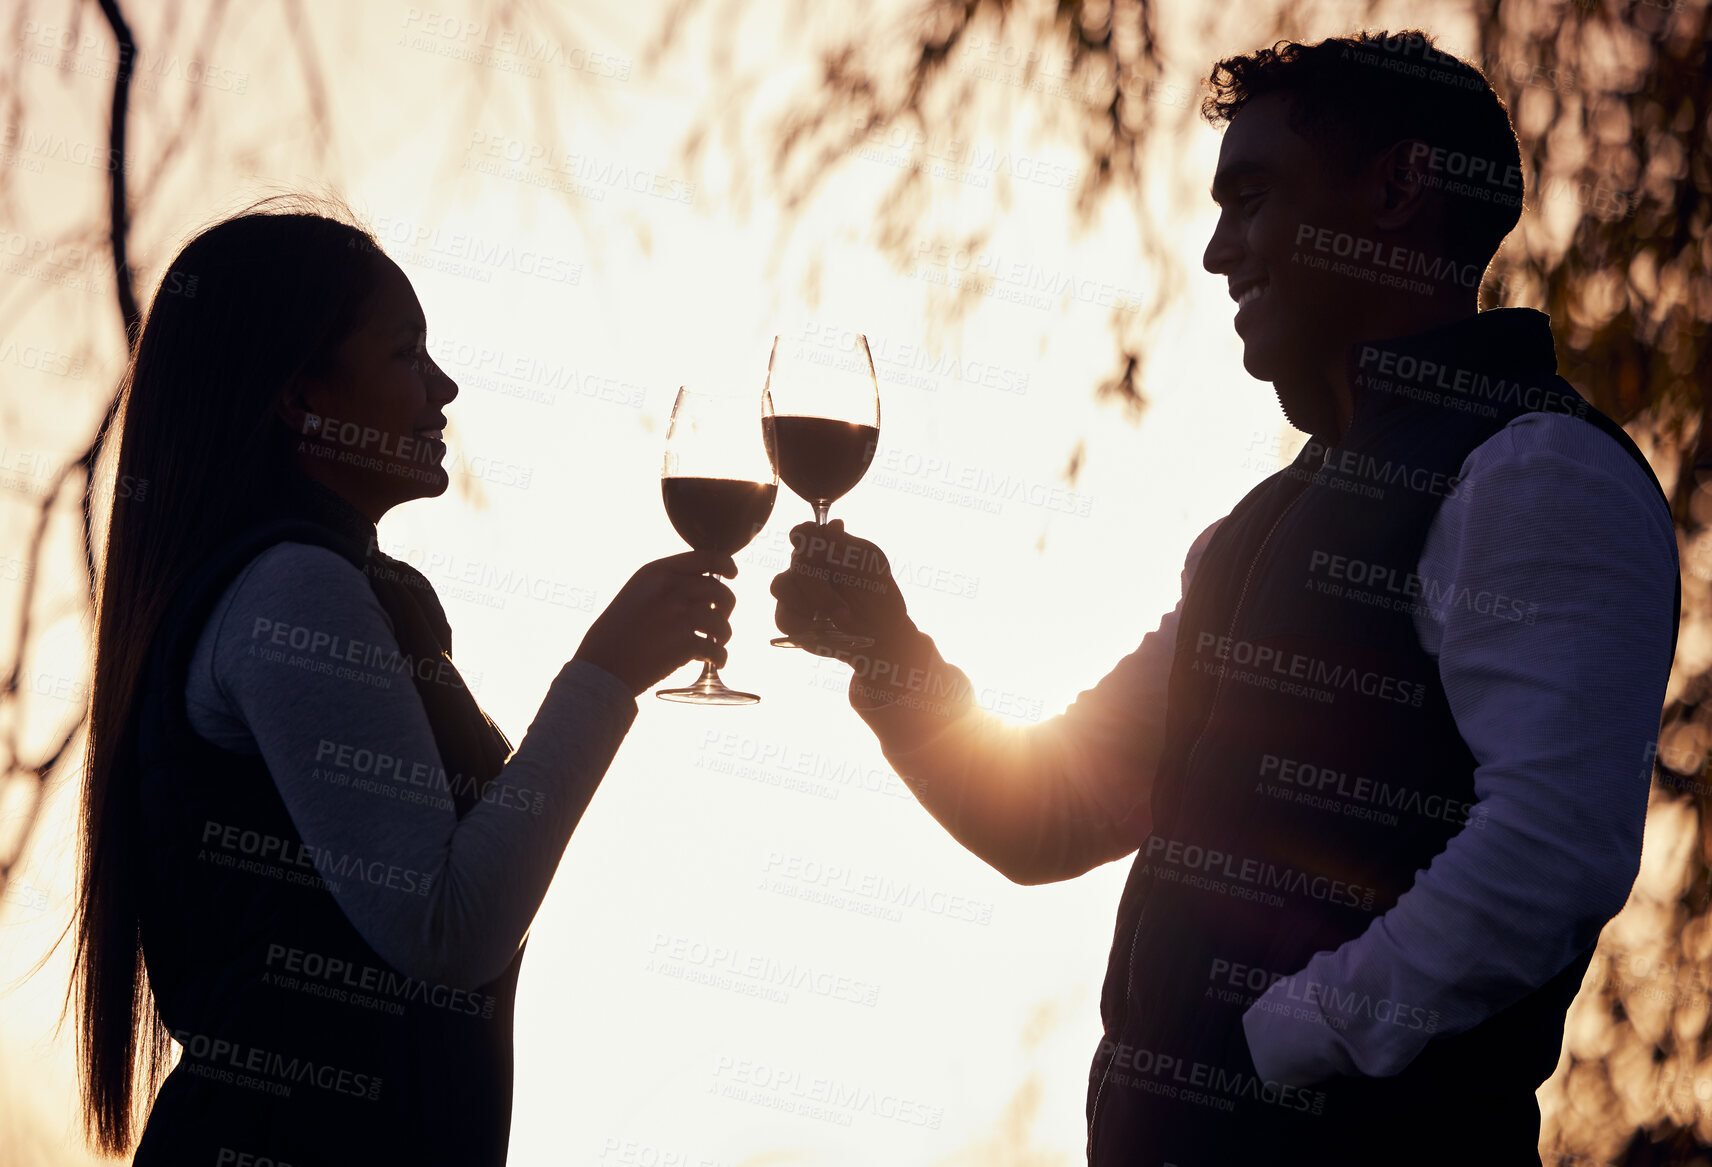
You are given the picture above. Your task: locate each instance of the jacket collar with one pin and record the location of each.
(301, 497)
(1508, 341)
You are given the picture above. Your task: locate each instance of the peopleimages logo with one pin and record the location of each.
(1175, 1073)
(1392, 256)
(1483, 178)
(217, 1058)
(517, 50)
(315, 642)
(970, 486)
(463, 254)
(875, 888)
(1259, 873)
(1317, 785)
(15, 139)
(391, 768)
(902, 361)
(1314, 1000)
(1376, 362)
(1345, 470)
(751, 973)
(1032, 284)
(725, 752)
(813, 1096)
(1299, 666)
(42, 360)
(349, 981)
(268, 850)
(955, 158)
(589, 175)
(353, 435)
(1437, 596)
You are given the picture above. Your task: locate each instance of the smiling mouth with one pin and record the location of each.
(1247, 293)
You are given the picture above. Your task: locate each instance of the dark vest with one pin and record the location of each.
(1311, 768)
(301, 1044)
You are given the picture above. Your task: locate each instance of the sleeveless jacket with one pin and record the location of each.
(301, 1043)
(1297, 648)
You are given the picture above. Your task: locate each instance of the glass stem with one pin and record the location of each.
(822, 622)
(709, 681)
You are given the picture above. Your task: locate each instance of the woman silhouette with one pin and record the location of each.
(298, 823)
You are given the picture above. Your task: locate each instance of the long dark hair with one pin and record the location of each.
(249, 305)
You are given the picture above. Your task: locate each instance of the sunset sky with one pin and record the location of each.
(759, 949)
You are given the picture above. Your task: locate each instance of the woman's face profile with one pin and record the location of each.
(372, 427)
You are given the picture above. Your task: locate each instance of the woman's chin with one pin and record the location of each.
(426, 482)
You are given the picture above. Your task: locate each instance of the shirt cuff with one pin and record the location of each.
(600, 683)
(911, 696)
(1289, 1039)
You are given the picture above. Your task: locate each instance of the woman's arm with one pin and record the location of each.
(355, 761)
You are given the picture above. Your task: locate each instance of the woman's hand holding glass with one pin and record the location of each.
(649, 631)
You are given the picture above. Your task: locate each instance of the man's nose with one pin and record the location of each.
(1222, 251)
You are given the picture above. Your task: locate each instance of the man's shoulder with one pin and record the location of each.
(1544, 448)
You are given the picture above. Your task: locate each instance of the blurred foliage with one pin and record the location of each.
(1614, 111)
(1610, 100)
(939, 73)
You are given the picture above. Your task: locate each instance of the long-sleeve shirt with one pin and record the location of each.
(1553, 643)
(355, 761)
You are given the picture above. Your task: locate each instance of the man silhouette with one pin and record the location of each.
(1380, 763)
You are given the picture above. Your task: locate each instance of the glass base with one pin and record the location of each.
(704, 692)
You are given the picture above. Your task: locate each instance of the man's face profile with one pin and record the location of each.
(1295, 319)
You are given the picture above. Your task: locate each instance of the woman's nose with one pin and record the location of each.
(448, 387)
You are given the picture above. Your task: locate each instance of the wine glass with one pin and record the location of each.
(821, 414)
(718, 484)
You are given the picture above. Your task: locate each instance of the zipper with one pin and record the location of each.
(1188, 767)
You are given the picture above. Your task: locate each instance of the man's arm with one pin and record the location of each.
(1039, 803)
(1558, 703)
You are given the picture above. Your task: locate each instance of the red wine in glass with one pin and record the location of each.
(821, 419)
(718, 485)
(820, 458)
(718, 514)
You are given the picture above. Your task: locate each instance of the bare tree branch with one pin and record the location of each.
(119, 230)
(38, 774)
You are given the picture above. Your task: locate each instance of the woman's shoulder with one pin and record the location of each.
(293, 590)
(286, 591)
(289, 570)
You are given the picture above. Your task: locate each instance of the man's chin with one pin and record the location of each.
(1262, 361)
(1308, 404)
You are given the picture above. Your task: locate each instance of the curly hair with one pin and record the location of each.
(1361, 94)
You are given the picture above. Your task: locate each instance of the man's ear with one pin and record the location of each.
(1407, 184)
